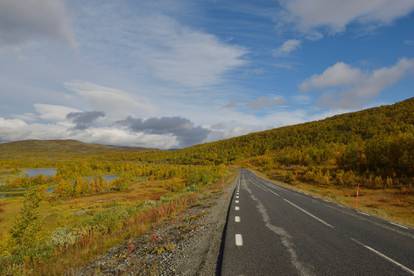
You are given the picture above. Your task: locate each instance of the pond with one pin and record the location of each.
(109, 177)
(40, 171)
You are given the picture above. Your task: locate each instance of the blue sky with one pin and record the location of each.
(171, 73)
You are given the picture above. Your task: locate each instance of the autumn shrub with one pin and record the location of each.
(25, 245)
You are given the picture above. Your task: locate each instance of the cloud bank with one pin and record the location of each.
(84, 120)
(183, 129)
(316, 17)
(352, 87)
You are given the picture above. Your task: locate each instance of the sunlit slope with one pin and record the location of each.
(384, 123)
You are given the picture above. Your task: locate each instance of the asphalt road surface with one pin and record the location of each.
(275, 231)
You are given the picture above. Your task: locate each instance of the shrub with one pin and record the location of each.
(25, 242)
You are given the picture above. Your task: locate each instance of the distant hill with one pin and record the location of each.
(52, 148)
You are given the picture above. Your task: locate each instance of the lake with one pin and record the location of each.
(40, 171)
(110, 177)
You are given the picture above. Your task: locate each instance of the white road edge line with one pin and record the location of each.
(384, 256)
(399, 225)
(236, 219)
(309, 214)
(364, 213)
(237, 208)
(239, 240)
(236, 201)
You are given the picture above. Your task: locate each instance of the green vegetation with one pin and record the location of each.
(67, 219)
(63, 221)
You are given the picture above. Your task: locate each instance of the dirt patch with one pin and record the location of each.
(188, 244)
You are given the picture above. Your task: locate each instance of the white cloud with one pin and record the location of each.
(10, 128)
(313, 16)
(266, 102)
(26, 20)
(122, 137)
(163, 50)
(301, 99)
(114, 102)
(338, 74)
(152, 62)
(15, 129)
(240, 123)
(189, 57)
(159, 135)
(352, 87)
(52, 112)
(287, 47)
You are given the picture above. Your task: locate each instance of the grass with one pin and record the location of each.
(389, 204)
(98, 222)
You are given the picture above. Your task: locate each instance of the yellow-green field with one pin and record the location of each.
(86, 215)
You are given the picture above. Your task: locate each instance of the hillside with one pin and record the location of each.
(385, 121)
(51, 146)
(56, 150)
(375, 139)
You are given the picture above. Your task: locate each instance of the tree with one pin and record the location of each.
(26, 227)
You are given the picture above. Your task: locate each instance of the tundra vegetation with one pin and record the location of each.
(62, 221)
(49, 224)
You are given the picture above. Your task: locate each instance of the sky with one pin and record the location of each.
(173, 73)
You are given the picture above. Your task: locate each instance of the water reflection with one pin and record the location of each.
(40, 171)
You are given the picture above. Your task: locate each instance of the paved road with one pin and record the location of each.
(274, 231)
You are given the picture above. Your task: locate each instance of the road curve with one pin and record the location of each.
(275, 231)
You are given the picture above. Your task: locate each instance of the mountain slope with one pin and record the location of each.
(377, 142)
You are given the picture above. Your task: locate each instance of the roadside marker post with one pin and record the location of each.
(357, 196)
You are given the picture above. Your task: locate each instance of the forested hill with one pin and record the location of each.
(56, 149)
(378, 139)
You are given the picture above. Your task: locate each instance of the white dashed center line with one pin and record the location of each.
(237, 208)
(236, 219)
(239, 240)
